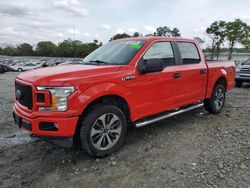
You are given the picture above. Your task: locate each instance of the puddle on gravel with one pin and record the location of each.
(202, 112)
(21, 137)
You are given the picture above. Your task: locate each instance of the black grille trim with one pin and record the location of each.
(24, 95)
(245, 70)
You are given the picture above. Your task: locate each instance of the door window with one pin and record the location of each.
(189, 53)
(162, 51)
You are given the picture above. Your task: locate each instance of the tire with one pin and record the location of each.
(19, 70)
(216, 103)
(238, 83)
(96, 137)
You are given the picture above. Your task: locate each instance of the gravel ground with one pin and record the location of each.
(195, 149)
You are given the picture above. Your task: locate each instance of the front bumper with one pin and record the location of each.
(245, 79)
(66, 126)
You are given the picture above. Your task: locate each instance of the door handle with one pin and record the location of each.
(177, 75)
(203, 71)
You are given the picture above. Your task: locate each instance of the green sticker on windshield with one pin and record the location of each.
(135, 46)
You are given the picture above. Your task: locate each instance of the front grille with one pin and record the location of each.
(24, 95)
(245, 71)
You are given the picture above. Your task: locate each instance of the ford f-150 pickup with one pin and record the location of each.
(133, 81)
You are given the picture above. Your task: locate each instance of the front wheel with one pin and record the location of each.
(19, 69)
(216, 103)
(102, 130)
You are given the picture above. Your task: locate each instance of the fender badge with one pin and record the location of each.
(130, 77)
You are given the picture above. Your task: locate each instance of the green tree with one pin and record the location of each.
(201, 41)
(66, 48)
(246, 40)
(175, 32)
(236, 32)
(46, 48)
(77, 48)
(246, 43)
(25, 49)
(167, 32)
(9, 50)
(88, 48)
(70, 48)
(136, 34)
(120, 36)
(1, 51)
(217, 32)
(163, 31)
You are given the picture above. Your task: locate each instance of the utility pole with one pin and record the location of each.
(74, 32)
(74, 48)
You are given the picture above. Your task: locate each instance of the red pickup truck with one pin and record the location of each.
(133, 81)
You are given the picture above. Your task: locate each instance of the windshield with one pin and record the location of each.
(115, 53)
(247, 62)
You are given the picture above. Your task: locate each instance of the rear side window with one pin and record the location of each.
(162, 51)
(189, 53)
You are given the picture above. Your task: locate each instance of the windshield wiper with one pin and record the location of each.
(99, 62)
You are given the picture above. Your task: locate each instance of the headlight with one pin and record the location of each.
(237, 69)
(59, 98)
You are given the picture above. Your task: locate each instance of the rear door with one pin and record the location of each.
(191, 76)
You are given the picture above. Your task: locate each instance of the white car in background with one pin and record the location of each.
(26, 66)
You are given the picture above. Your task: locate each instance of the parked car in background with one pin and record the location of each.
(2, 69)
(242, 73)
(26, 66)
(68, 62)
(52, 62)
(5, 68)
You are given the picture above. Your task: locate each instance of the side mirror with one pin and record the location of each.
(150, 65)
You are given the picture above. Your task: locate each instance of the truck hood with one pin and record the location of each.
(244, 66)
(58, 75)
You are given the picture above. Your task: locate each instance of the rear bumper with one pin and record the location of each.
(65, 126)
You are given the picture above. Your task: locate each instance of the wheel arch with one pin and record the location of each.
(220, 80)
(112, 99)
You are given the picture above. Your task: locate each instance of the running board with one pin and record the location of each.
(166, 115)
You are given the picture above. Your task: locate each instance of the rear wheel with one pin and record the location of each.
(238, 83)
(19, 69)
(216, 103)
(102, 130)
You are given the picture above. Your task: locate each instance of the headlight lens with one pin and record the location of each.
(59, 98)
(237, 69)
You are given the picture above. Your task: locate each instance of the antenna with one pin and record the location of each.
(74, 32)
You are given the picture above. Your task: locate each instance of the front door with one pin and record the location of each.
(154, 91)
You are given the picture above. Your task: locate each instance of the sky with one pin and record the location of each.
(32, 21)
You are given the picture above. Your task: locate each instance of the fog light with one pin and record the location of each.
(56, 125)
(48, 126)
